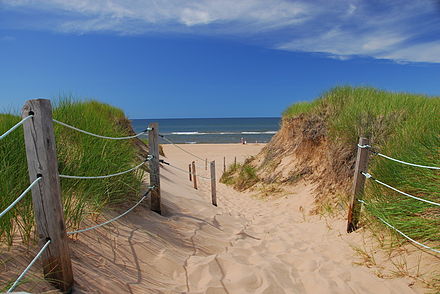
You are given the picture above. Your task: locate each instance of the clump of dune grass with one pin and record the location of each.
(78, 154)
(240, 176)
(401, 125)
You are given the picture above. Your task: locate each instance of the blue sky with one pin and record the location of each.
(210, 58)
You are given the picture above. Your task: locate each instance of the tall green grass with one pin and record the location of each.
(78, 154)
(401, 125)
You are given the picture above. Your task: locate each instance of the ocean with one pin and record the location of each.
(213, 130)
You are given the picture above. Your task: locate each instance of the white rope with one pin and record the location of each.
(20, 197)
(192, 154)
(99, 136)
(28, 267)
(412, 240)
(368, 176)
(397, 160)
(401, 233)
(107, 176)
(16, 126)
(363, 146)
(187, 172)
(407, 163)
(113, 219)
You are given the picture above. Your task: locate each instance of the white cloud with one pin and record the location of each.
(339, 28)
(344, 44)
(426, 52)
(184, 12)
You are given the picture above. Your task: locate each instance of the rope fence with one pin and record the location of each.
(361, 175)
(16, 126)
(48, 211)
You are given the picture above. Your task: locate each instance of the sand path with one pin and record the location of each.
(245, 245)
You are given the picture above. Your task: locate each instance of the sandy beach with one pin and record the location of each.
(245, 245)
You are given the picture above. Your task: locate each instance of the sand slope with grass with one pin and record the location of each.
(245, 245)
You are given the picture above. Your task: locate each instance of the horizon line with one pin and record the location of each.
(208, 117)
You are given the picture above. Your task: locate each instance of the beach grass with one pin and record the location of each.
(240, 176)
(401, 125)
(78, 154)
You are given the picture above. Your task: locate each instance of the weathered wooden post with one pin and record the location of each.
(193, 164)
(235, 161)
(189, 170)
(224, 164)
(206, 163)
(358, 185)
(153, 143)
(42, 162)
(213, 184)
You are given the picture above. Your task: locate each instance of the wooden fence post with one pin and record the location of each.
(42, 162)
(358, 185)
(235, 161)
(213, 184)
(189, 170)
(193, 164)
(206, 163)
(153, 142)
(224, 164)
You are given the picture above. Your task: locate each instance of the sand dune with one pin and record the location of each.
(244, 245)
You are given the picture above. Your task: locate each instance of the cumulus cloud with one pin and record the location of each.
(401, 30)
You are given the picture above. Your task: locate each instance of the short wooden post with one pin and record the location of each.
(224, 164)
(213, 184)
(235, 161)
(189, 171)
(153, 143)
(193, 165)
(42, 162)
(358, 185)
(206, 163)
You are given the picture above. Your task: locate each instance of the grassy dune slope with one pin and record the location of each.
(78, 154)
(321, 137)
